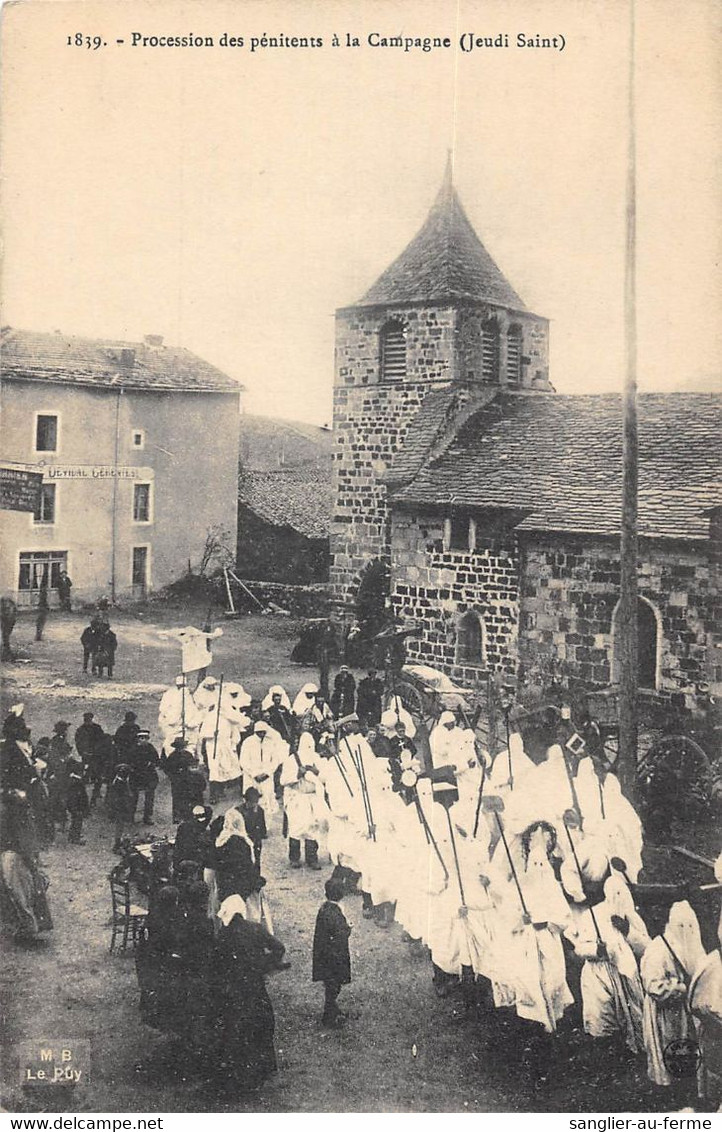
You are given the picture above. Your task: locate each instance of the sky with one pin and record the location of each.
(231, 200)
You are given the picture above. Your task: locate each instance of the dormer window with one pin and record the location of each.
(393, 352)
(513, 355)
(490, 351)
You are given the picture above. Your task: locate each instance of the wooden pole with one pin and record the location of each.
(626, 634)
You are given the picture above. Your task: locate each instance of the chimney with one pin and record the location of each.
(127, 358)
(154, 339)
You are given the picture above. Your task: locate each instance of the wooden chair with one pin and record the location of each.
(128, 919)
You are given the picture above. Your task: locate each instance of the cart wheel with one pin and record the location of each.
(411, 698)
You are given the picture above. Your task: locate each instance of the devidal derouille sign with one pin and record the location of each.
(19, 489)
(95, 472)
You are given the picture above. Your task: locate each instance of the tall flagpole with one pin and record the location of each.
(627, 633)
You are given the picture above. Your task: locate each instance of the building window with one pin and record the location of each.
(456, 532)
(45, 509)
(46, 433)
(138, 438)
(141, 502)
(490, 351)
(393, 352)
(471, 640)
(513, 355)
(36, 566)
(139, 570)
(648, 644)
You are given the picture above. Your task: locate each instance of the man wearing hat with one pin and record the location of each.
(178, 767)
(343, 700)
(143, 760)
(59, 752)
(88, 739)
(125, 736)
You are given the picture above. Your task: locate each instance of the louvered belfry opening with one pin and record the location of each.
(393, 352)
(513, 356)
(490, 351)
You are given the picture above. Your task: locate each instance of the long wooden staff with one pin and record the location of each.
(183, 707)
(359, 768)
(572, 787)
(424, 825)
(456, 858)
(497, 804)
(571, 821)
(507, 709)
(480, 799)
(218, 718)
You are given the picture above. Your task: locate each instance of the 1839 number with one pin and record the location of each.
(92, 42)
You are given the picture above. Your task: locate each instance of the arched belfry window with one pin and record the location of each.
(490, 351)
(470, 640)
(393, 352)
(513, 355)
(648, 644)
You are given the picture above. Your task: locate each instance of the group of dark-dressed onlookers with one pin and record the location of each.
(67, 780)
(99, 645)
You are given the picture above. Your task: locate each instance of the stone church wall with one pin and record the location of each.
(547, 604)
(370, 422)
(570, 589)
(434, 587)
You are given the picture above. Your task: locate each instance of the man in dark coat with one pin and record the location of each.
(143, 760)
(76, 800)
(89, 641)
(43, 610)
(57, 758)
(88, 738)
(343, 700)
(178, 767)
(331, 959)
(126, 735)
(64, 586)
(370, 699)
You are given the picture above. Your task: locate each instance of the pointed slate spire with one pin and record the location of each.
(446, 260)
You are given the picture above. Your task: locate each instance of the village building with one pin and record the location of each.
(493, 504)
(284, 501)
(137, 444)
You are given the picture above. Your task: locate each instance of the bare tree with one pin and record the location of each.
(218, 550)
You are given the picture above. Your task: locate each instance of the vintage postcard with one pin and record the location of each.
(361, 518)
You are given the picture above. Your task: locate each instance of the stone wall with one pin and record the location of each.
(547, 603)
(435, 587)
(570, 590)
(371, 418)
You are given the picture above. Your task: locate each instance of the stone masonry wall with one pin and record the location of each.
(547, 603)
(434, 587)
(570, 590)
(370, 422)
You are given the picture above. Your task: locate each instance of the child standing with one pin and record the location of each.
(331, 959)
(255, 819)
(76, 801)
(120, 800)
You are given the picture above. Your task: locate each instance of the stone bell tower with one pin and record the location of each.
(436, 337)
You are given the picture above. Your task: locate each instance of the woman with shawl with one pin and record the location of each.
(232, 859)
(611, 988)
(245, 953)
(667, 969)
(23, 903)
